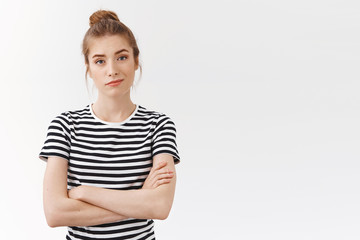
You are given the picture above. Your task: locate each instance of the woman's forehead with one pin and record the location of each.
(106, 45)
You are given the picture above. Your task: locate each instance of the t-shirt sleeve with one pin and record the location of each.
(57, 142)
(164, 138)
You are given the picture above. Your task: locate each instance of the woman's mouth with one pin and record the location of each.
(115, 82)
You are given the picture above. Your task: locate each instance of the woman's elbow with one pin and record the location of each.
(163, 215)
(163, 210)
(52, 218)
(51, 223)
(54, 215)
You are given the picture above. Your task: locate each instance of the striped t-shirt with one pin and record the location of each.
(113, 155)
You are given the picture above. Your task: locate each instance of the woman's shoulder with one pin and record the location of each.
(158, 117)
(75, 113)
(150, 112)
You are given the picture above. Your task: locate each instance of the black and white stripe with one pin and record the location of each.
(110, 155)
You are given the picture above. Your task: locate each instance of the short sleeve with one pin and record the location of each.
(57, 142)
(164, 138)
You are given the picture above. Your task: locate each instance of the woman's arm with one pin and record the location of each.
(60, 210)
(153, 203)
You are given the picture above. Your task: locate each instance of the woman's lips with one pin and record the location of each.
(115, 82)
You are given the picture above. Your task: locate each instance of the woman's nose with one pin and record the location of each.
(112, 69)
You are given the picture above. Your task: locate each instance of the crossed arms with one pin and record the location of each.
(83, 206)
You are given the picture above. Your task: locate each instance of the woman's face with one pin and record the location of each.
(111, 58)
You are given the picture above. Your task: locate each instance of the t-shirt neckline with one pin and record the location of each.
(113, 123)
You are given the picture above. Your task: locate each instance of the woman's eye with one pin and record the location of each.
(98, 61)
(123, 57)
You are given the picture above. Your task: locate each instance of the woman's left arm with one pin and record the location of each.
(143, 203)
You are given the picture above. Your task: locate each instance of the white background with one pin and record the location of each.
(264, 94)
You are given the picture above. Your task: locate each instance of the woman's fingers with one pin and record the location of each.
(159, 166)
(162, 181)
(158, 175)
(162, 178)
(154, 170)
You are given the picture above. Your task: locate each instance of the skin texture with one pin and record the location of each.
(154, 203)
(113, 103)
(62, 210)
(82, 206)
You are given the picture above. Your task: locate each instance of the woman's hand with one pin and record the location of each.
(76, 192)
(158, 175)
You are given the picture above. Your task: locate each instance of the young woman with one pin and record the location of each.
(110, 165)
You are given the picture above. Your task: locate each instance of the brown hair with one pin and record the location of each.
(105, 22)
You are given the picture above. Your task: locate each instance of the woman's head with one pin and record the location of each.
(105, 24)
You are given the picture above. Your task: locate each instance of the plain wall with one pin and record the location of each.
(264, 95)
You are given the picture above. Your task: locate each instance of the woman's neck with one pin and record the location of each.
(113, 109)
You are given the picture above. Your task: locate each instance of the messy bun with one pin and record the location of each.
(104, 23)
(102, 14)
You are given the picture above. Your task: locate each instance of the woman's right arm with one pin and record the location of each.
(60, 210)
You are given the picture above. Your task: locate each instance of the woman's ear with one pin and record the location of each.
(136, 63)
(88, 70)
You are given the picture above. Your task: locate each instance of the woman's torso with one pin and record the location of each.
(113, 156)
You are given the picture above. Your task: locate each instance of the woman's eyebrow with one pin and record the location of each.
(117, 52)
